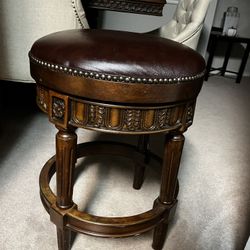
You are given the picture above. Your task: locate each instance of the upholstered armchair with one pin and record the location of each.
(22, 22)
(186, 25)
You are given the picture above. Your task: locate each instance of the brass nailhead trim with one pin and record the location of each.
(89, 74)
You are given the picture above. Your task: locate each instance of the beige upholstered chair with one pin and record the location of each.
(22, 22)
(186, 25)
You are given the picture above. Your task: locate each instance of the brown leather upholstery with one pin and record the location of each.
(86, 62)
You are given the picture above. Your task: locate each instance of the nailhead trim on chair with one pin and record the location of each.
(76, 13)
(89, 74)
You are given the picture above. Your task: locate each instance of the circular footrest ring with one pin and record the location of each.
(82, 222)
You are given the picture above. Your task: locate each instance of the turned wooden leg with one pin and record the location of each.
(66, 141)
(171, 161)
(142, 147)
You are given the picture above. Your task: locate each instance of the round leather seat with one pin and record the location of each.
(114, 66)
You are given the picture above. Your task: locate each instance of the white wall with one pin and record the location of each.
(244, 8)
(243, 29)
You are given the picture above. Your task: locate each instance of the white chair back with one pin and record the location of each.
(187, 22)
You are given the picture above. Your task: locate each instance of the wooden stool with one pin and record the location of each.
(121, 83)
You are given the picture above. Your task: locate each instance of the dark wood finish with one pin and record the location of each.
(149, 7)
(63, 212)
(211, 50)
(171, 161)
(65, 162)
(226, 58)
(243, 62)
(216, 37)
(63, 239)
(78, 221)
(142, 147)
(66, 141)
(92, 8)
(116, 118)
(148, 94)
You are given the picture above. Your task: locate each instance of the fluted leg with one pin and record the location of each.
(63, 239)
(66, 141)
(171, 161)
(142, 147)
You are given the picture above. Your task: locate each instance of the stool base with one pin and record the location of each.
(78, 221)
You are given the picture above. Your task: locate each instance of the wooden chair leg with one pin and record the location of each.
(142, 147)
(63, 239)
(66, 141)
(160, 233)
(171, 161)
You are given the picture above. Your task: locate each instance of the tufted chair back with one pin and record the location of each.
(187, 22)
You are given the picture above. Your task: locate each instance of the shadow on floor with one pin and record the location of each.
(17, 109)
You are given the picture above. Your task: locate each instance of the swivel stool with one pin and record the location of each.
(121, 83)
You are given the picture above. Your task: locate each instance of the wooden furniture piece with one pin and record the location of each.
(124, 87)
(152, 7)
(216, 38)
(112, 81)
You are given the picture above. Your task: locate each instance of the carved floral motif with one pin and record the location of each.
(96, 115)
(58, 108)
(132, 119)
(164, 117)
